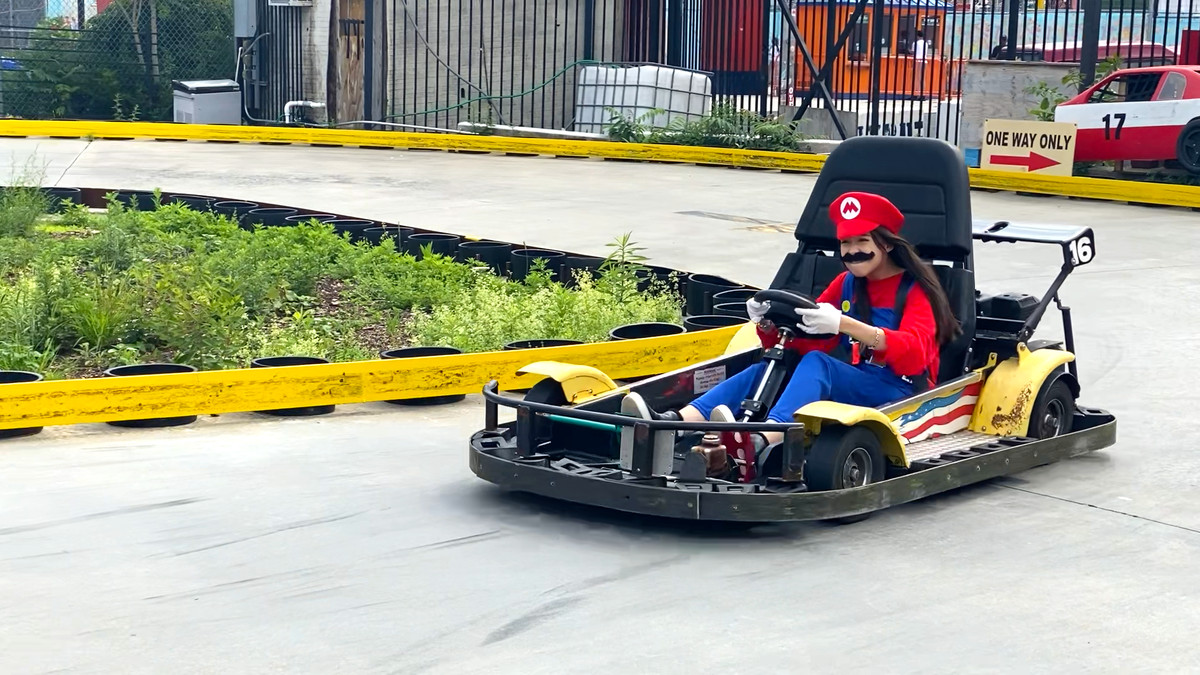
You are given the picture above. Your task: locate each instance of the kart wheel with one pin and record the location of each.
(1053, 411)
(1187, 148)
(547, 390)
(844, 457)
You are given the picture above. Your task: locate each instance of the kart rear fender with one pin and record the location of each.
(1006, 401)
(818, 413)
(579, 383)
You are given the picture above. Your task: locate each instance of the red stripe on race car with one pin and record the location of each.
(1131, 142)
(950, 416)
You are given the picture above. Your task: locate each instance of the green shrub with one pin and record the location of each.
(20, 208)
(495, 312)
(84, 291)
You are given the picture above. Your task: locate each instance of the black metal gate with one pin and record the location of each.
(273, 65)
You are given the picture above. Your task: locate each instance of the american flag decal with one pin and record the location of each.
(940, 416)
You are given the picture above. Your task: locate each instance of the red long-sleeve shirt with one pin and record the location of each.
(911, 349)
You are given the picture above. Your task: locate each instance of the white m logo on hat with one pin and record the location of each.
(850, 208)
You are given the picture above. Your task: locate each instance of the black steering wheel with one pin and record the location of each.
(783, 311)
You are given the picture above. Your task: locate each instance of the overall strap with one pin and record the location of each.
(920, 382)
(906, 283)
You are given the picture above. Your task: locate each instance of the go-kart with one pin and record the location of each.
(1001, 403)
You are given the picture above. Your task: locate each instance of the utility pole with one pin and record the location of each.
(82, 4)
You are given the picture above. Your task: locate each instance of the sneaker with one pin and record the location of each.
(635, 406)
(721, 413)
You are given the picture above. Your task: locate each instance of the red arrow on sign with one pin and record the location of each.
(1033, 162)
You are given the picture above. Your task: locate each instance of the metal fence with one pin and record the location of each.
(519, 61)
(118, 65)
(271, 67)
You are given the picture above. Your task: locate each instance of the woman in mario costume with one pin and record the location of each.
(888, 354)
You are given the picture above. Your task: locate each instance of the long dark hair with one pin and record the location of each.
(904, 255)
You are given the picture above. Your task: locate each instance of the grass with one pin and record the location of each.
(83, 291)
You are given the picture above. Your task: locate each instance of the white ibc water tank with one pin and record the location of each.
(632, 91)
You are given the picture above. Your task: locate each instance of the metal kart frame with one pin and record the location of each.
(1078, 245)
(513, 456)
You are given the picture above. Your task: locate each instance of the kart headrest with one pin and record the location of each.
(925, 178)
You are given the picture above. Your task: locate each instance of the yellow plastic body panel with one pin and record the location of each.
(579, 383)
(1006, 402)
(745, 338)
(814, 415)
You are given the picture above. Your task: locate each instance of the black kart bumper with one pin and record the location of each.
(500, 456)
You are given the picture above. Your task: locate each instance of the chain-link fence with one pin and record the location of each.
(118, 65)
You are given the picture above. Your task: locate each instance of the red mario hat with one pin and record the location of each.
(857, 213)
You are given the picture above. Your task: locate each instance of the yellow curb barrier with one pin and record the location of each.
(110, 399)
(1067, 186)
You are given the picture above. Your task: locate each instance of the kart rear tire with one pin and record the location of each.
(844, 457)
(1053, 410)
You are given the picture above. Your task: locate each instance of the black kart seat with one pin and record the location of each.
(928, 181)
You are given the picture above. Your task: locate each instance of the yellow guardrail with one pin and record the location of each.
(1069, 186)
(109, 399)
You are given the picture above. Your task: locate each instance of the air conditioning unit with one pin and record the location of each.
(289, 3)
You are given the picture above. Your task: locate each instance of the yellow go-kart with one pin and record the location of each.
(1002, 403)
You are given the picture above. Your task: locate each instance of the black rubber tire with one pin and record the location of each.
(826, 467)
(1187, 147)
(548, 390)
(1053, 410)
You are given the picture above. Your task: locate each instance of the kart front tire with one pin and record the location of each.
(547, 390)
(844, 457)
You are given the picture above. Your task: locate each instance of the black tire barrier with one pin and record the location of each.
(522, 260)
(710, 321)
(733, 295)
(376, 235)
(198, 203)
(573, 263)
(440, 244)
(356, 228)
(737, 309)
(235, 210)
(279, 361)
(151, 369)
(494, 254)
(538, 344)
(59, 197)
(414, 352)
(701, 288)
(268, 217)
(634, 331)
(144, 199)
(305, 217)
(19, 377)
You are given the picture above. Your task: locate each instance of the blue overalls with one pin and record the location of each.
(820, 376)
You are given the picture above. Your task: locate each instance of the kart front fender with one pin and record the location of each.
(579, 383)
(1006, 402)
(818, 413)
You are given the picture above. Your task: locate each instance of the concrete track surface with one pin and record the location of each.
(361, 542)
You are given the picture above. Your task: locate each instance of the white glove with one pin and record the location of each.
(757, 310)
(825, 319)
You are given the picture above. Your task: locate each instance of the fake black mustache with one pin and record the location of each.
(858, 257)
